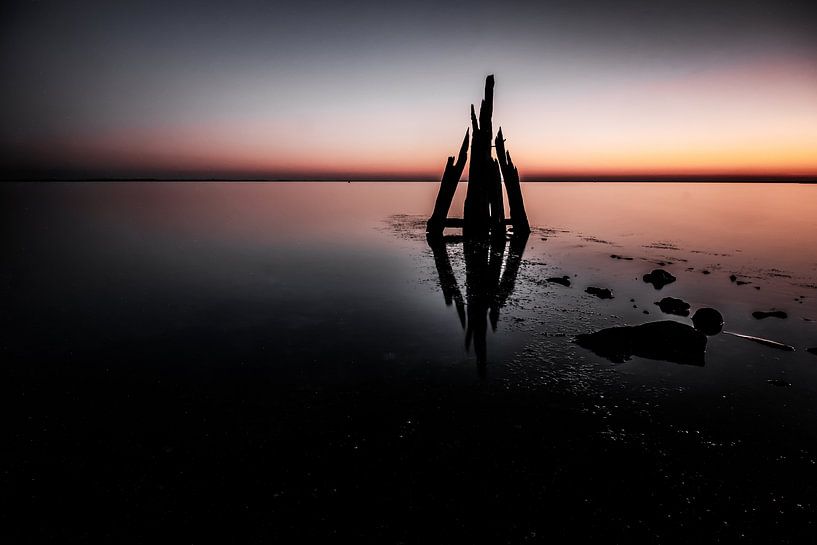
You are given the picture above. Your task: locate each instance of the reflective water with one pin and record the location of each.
(297, 360)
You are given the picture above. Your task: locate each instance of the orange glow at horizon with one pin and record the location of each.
(756, 119)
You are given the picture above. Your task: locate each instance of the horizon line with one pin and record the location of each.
(724, 178)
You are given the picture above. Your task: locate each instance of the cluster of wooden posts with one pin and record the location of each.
(488, 284)
(484, 211)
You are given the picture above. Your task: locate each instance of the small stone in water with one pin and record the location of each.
(601, 293)
(761, 314)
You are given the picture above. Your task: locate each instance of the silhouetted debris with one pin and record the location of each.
(705, 272)
(812, 350)
(742, 282)
(563, 280)
(616, 256)
(666, 341)
(484, 211)
(708, 321)
(761, 314)
(601, 293)
(732, 277)
(483, 171)
(779, 382)
(448, 186)
(671, 305)
(659, 278)
(510, 175)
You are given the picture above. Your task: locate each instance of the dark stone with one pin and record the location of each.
(671, 305)
(601, 293)
(705, 272)
(659, 278)
(666, 341)
(708, 321)
(761, 314)
(732, 277)
(563, 280)
(742, 282)
(616, 256)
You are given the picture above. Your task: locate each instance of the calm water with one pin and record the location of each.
(262, 360)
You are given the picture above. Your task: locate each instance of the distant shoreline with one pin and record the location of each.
(705, 179)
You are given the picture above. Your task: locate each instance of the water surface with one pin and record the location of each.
(294, 359)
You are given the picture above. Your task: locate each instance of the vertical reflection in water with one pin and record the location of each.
(448, 282)
(487, 285)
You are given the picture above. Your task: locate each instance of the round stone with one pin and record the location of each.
(708, 321)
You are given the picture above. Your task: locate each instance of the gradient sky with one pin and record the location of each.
(371, 89)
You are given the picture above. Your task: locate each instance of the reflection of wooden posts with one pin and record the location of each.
(497, 253)
(484, 211)
(448, 282)
(487, 285)
(478, 297)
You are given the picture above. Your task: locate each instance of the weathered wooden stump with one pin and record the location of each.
(484, 211)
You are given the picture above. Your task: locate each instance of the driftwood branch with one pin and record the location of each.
(510, 174)
(448, 186)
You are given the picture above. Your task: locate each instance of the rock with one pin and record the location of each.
(742, 282)
(665, 340)
(732, 277)
(671, 305)
(601, 293)
(563, 280)
(659, 278)
(616, 256)
(705, 272)
(708, 321)
(761, 314)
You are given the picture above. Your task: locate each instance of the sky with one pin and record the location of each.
(373, 89)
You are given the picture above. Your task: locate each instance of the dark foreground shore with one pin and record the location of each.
(212, 451)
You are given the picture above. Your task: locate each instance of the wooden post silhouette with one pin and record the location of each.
(448, 185)
(484, 211)
(510, 174)
(477, 212)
